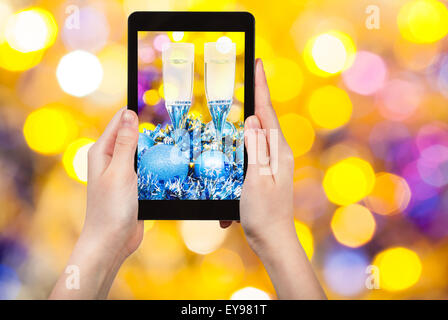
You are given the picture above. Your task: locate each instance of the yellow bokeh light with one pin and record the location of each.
(423, 21)
(285, 79)
(151, 97)
(112, 89)
(399, 268)
(146, 125)
(221, 271)
(353, 225)
(298, 132)
(390, 195)
(202, 236)
(329, 53)
(305, 237)
(31, 30)
(48, 130)
(348, 181)
(13, 60)
(148, 225)
(239, 93)
(330, 107)
(75, 159)
(263, 49)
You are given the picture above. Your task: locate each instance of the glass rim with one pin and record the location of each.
(168, 45)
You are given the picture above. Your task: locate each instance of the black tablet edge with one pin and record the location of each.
(217, 21)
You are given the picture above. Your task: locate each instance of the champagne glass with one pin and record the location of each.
(219, 62)
(178, 62)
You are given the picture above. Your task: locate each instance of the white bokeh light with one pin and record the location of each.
(250, 293)
(224, 44)
(202, 237)
(27, 31)
(80, 162)
(79, 73)
(329, 53)
(178, 35)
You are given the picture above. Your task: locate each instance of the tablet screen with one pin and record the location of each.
(191, 113)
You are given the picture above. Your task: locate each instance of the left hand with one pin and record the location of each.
(111, 230)
(112, 201)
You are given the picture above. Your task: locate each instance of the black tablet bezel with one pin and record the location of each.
(191, 21)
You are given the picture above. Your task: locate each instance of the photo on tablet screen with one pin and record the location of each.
(191, 115)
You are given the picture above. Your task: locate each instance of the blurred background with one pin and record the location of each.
(151, 103)
(361, 89)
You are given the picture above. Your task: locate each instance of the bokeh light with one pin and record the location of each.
(221, 272)
(367, 74)
(5, 13)
(75, 159)
(13, 60)
(400, 268)
(305, 237)
(151, 97)
(390, 195)
(31, 30)
(330, 107)
(345, 271)
(90, 33)
(423, 21)
(250, 293)
(160, 41)
(353, 225)
(442, 79)
(79, 73)
(202, 236)
(400, 99)
(10, 284)
(285, 79)
(320, 62)
(348, 181)
(112, 90)
(301, 140)
(146, 125)
(48, 130)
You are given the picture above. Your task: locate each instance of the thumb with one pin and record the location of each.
(126, 141)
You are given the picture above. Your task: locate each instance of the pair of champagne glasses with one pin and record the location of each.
(219, 81)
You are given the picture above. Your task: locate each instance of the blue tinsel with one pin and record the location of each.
(193, 187)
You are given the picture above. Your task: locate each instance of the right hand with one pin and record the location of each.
(266, 206)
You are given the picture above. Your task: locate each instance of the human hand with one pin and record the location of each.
(111, 230)
(266, 205)
(112, 201)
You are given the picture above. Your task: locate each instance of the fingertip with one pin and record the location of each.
(252, 122)
(129, 118)
(260, 75)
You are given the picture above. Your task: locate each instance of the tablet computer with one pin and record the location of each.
(191, 82)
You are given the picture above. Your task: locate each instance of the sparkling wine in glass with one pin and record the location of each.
(219, 62)
(178, 64)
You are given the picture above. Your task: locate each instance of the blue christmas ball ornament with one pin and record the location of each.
(165, 161)
(144, 142)
(212, 164)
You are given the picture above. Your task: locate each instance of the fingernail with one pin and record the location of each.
(254, 123)
(128, 118)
